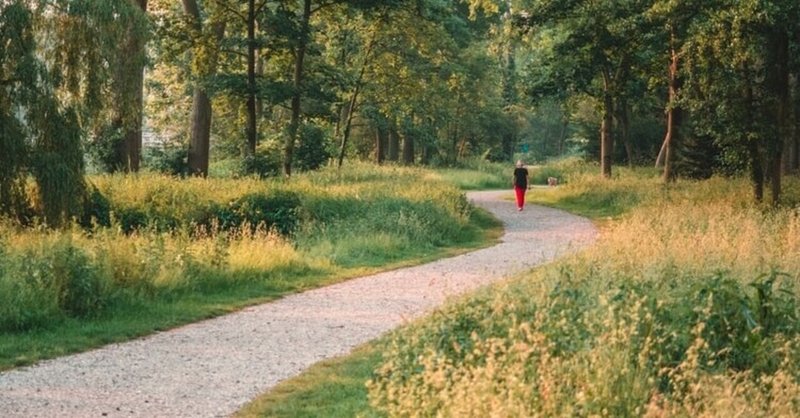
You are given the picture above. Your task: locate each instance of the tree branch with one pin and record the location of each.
(233, 52)
(232, 10)
(324, 5)
(261, 6)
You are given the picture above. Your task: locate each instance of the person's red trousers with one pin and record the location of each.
(520, 191)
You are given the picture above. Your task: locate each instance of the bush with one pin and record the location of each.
(79, 288)
(312, 151)
(171, 160)
(580, 352)
(263, 164)
(277, 210)
(96, 209)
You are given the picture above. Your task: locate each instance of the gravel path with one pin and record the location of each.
(212, 368)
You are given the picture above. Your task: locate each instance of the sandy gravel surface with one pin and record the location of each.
(212, 368)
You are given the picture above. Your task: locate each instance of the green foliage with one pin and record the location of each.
(170, 160)
(312, 150)
(266, 162)
(277, 210)
(96, 209)
(101, 149)
(57, 165)
(48, 283)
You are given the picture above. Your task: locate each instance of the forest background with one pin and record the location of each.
(268, 87)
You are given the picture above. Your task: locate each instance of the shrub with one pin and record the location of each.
(81, 291)
(96, 209)
(311, 152)
(277, 210)
(171, 160)
(263, 164)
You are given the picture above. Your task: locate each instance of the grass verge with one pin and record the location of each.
(687, 307)
(68, 291)
(332, 388)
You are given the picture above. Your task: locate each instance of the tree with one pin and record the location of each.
(738, 75)
(129, 80)
(205, 63)
(595, 44)
(40, 135)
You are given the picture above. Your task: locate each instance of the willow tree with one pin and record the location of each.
(40, 136)
(95, 50)
(18, 69)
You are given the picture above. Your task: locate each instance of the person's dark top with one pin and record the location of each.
(521, 177)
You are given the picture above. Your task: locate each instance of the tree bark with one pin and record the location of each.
(606, 139)
(354, 99)
(250, 128)
(756, 165)
(792, 149)
(673, 114)
(129, 149)
(299, 58)
(780, 84)
(200, 139)
(408, 148)
(393, 148)
(623, 119)
(381, 138)
(562, 136)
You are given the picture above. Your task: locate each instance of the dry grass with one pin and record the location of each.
(687, 306)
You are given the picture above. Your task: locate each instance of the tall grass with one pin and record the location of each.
(687, 306)
(218, 241)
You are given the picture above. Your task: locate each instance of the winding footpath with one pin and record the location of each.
(212, 368)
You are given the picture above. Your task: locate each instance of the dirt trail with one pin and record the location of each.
(212, 368)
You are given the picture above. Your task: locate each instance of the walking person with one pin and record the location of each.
(520, 183)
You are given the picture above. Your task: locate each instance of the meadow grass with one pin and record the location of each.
(686, 306)
(330, 388)
(68, 290)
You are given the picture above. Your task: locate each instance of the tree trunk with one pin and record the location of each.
(129, 121)
(354, 99)
(780, 83)
(200, 139)
(381, 139)
(756, 166)
(673, 115)
(299, 59)
(408, 148)
(623, 119)
(606, 139)
(792, 148)
(562, 136)
(393, 148)
(250, 127)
